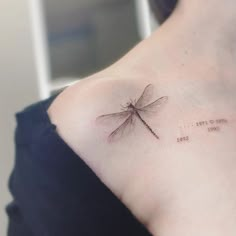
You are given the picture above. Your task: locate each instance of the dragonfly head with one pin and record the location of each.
(128, 104)
(125, 106)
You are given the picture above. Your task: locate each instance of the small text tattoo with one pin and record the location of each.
(183, 139)
(214, 129)
(213, 125)
(211, 122)
(204, 125)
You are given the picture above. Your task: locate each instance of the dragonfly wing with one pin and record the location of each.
(124, 128)
(112, 117)
(154, 106)
(145, 97)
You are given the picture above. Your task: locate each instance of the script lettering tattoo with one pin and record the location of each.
(135, 110)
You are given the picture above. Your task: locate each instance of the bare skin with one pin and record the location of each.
(174, 188)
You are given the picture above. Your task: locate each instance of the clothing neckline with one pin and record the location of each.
(44, 105)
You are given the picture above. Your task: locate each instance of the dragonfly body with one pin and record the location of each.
(135, 112)
(146, 125)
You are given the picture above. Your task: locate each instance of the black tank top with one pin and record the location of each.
(54, 192)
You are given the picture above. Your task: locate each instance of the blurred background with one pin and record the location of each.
(48, 44)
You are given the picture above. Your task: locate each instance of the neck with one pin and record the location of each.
(211, 8)
(215, 18)
(198, 35)
(208, 24)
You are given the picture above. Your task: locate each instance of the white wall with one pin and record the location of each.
(18, 80)
(18, 85)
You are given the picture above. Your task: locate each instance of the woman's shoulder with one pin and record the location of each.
(74, 112)
(91, 95)
(77, 105)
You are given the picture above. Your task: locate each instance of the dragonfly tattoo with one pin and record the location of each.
(134, 110)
